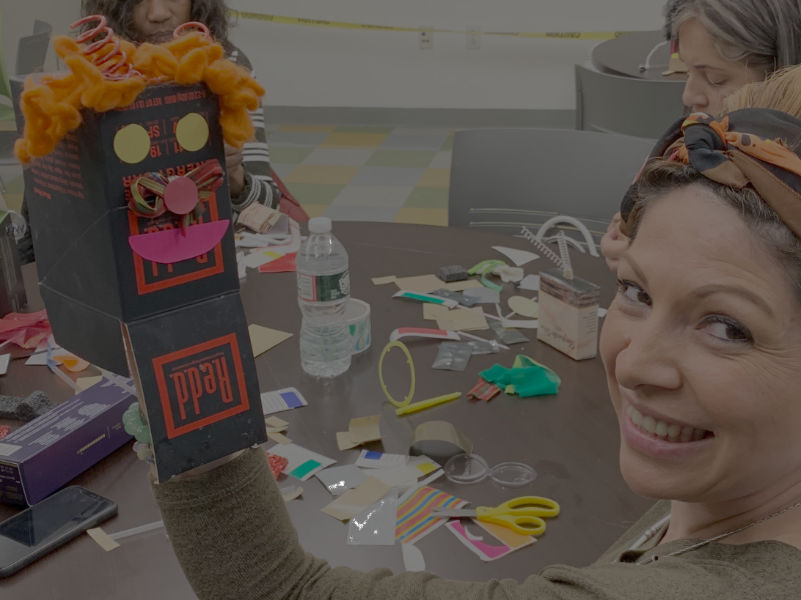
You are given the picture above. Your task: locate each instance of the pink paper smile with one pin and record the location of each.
(174, 245)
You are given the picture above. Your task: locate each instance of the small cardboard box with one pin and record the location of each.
(78, 196)
(199, 383)
(568, 315)
(49, 451)
(12, 287)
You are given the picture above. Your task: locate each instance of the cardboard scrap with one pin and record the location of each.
(264, 338)
(84, 383)
(275, 424)
(419, 283)
(360, 431)
(432, 312)
(383, 280)
(352, 502)
(102, 539)
(463, 319)
(278, 438)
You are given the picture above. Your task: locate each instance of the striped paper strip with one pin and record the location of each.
(414, 515)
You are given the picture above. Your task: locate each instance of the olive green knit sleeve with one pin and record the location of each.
(232, 535)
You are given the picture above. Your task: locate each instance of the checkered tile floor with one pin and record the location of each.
(348, 172)
(366, 173)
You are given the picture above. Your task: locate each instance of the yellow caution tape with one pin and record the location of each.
(283, 20)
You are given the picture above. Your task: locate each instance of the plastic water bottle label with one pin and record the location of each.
(324, 288)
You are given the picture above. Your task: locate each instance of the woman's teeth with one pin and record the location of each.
(672, 432)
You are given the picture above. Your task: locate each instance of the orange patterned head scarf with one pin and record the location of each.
(755, 146)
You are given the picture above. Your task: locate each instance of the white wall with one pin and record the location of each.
(311, 66)
(16, 20)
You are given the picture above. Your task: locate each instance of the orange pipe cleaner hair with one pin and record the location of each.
(107, 72)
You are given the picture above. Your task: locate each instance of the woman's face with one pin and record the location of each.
(710, 76)
(155, 20)
(702, 352)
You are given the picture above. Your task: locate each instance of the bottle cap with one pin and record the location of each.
(319, 225)
(472, 468)
(466, 468)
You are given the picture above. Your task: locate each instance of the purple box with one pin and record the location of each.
(47, 452)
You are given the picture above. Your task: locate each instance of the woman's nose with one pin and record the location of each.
(648, 360)
(157, 11)
(694, 96)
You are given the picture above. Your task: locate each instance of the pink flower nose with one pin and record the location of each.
(181, 195)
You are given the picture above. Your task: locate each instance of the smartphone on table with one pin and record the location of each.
(46, 525)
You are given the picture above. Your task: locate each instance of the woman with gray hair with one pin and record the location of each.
(725, 45)
(728, 43)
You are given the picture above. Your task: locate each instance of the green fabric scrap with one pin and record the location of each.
(525, 378)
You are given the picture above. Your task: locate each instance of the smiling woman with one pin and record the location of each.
(702, 352)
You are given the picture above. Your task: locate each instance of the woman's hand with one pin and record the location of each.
(614, 243)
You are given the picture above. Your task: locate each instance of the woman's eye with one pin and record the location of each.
(716, 82)
(727, 329)
(633, 292)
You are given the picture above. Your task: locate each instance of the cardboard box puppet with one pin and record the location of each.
(131, 220)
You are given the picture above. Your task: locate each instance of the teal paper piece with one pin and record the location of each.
(301, 471)
(527, 378)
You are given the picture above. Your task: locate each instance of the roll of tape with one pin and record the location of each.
(357, 314)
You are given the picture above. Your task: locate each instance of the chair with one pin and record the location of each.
(502, 179)
(42, 26)
(628, 105)
(32, 52)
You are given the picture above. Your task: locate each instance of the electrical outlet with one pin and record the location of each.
(473, 38)
(426, 39)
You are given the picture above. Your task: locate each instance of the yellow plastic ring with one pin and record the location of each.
(409, 361)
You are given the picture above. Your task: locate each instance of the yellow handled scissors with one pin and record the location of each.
(523, 514)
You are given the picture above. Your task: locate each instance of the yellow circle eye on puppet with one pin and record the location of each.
(192, 132)
(132, 144)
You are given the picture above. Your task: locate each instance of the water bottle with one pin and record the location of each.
(323, 291)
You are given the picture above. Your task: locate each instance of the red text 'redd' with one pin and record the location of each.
(201, 385)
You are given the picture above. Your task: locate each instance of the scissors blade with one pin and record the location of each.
(453, 512)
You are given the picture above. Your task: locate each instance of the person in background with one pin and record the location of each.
(154, 21)
(702, 354)
(249, 171)
(725, 44)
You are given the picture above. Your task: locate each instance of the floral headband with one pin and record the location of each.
(754, 146)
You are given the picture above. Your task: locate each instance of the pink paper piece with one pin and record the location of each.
(15, 320)
(174, 245)
(280, 265)
(484, 550)
(181, 195)
(26, 330)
